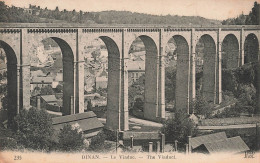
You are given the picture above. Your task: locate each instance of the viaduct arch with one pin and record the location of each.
(118, 41)
(230, 52)
(12, 81)
(208, 66)
(182, 78)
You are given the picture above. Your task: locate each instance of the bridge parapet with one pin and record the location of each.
(10, 30)
(176, 29)
(50, 30)
(143, 30)
(102, 30)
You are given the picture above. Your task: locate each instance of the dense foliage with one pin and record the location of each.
(136, 90)
(89, 106)
(241, 83)
(15, 14)
(179, 128)
(71, 139)
(34, 129)
(47, 90)
(170, 84)
(200, 106)
(251, 19)
(97, 142)
(7, 139)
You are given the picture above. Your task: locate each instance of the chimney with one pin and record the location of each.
(176, 145)
(132, 141)
(158, 146)
(150, 147)
(162, 142)
(189, 144)
(72, 111)
(257, 137)
(187, 148)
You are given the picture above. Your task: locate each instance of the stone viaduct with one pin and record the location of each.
(224, 46)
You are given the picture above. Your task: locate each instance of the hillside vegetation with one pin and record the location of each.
(12, 14)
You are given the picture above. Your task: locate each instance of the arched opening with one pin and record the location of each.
(9, 96)
(251, 48)
(252, 63)
(136, 78)
(102, 81)
(52, 76)
(95, 74)
(143, 73)
(230, 52)
(114, 100)
(176, 73)
(205, 67)
(230, 61)
(113, 85)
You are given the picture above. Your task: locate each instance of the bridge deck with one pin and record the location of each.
(69, 25)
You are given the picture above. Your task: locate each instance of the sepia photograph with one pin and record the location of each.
(129, 81)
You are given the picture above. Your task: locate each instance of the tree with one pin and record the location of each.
(3, 12)
(179, 127)
(89, 106)
(102, 91)
(136, 89)
(254, 14)
(4, 101)
(201, 107)
(56, 13)
(95, 54)
(139, 104)
(247, 99)
(170, 83)
(59, 88)
(34, 129)
(47, 90)
(7, 139)
(97, 142)
(71, 138)
(251, 19)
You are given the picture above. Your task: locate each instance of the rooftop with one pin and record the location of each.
(86, 121)
(41, 80)
(141, 135)
(136, 66)
(234, 145)
(199, 140)
(49, 98)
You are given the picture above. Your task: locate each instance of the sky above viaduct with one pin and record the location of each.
(213, 9)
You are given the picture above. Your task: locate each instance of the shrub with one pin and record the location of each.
(34, 129)
(8, 144)
(71, 138)
(7, 141)
(179, 128)
(201, 107)
(97, 142)
(89, 106)
(139, 104)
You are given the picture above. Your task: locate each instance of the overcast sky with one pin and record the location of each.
(214, 9)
